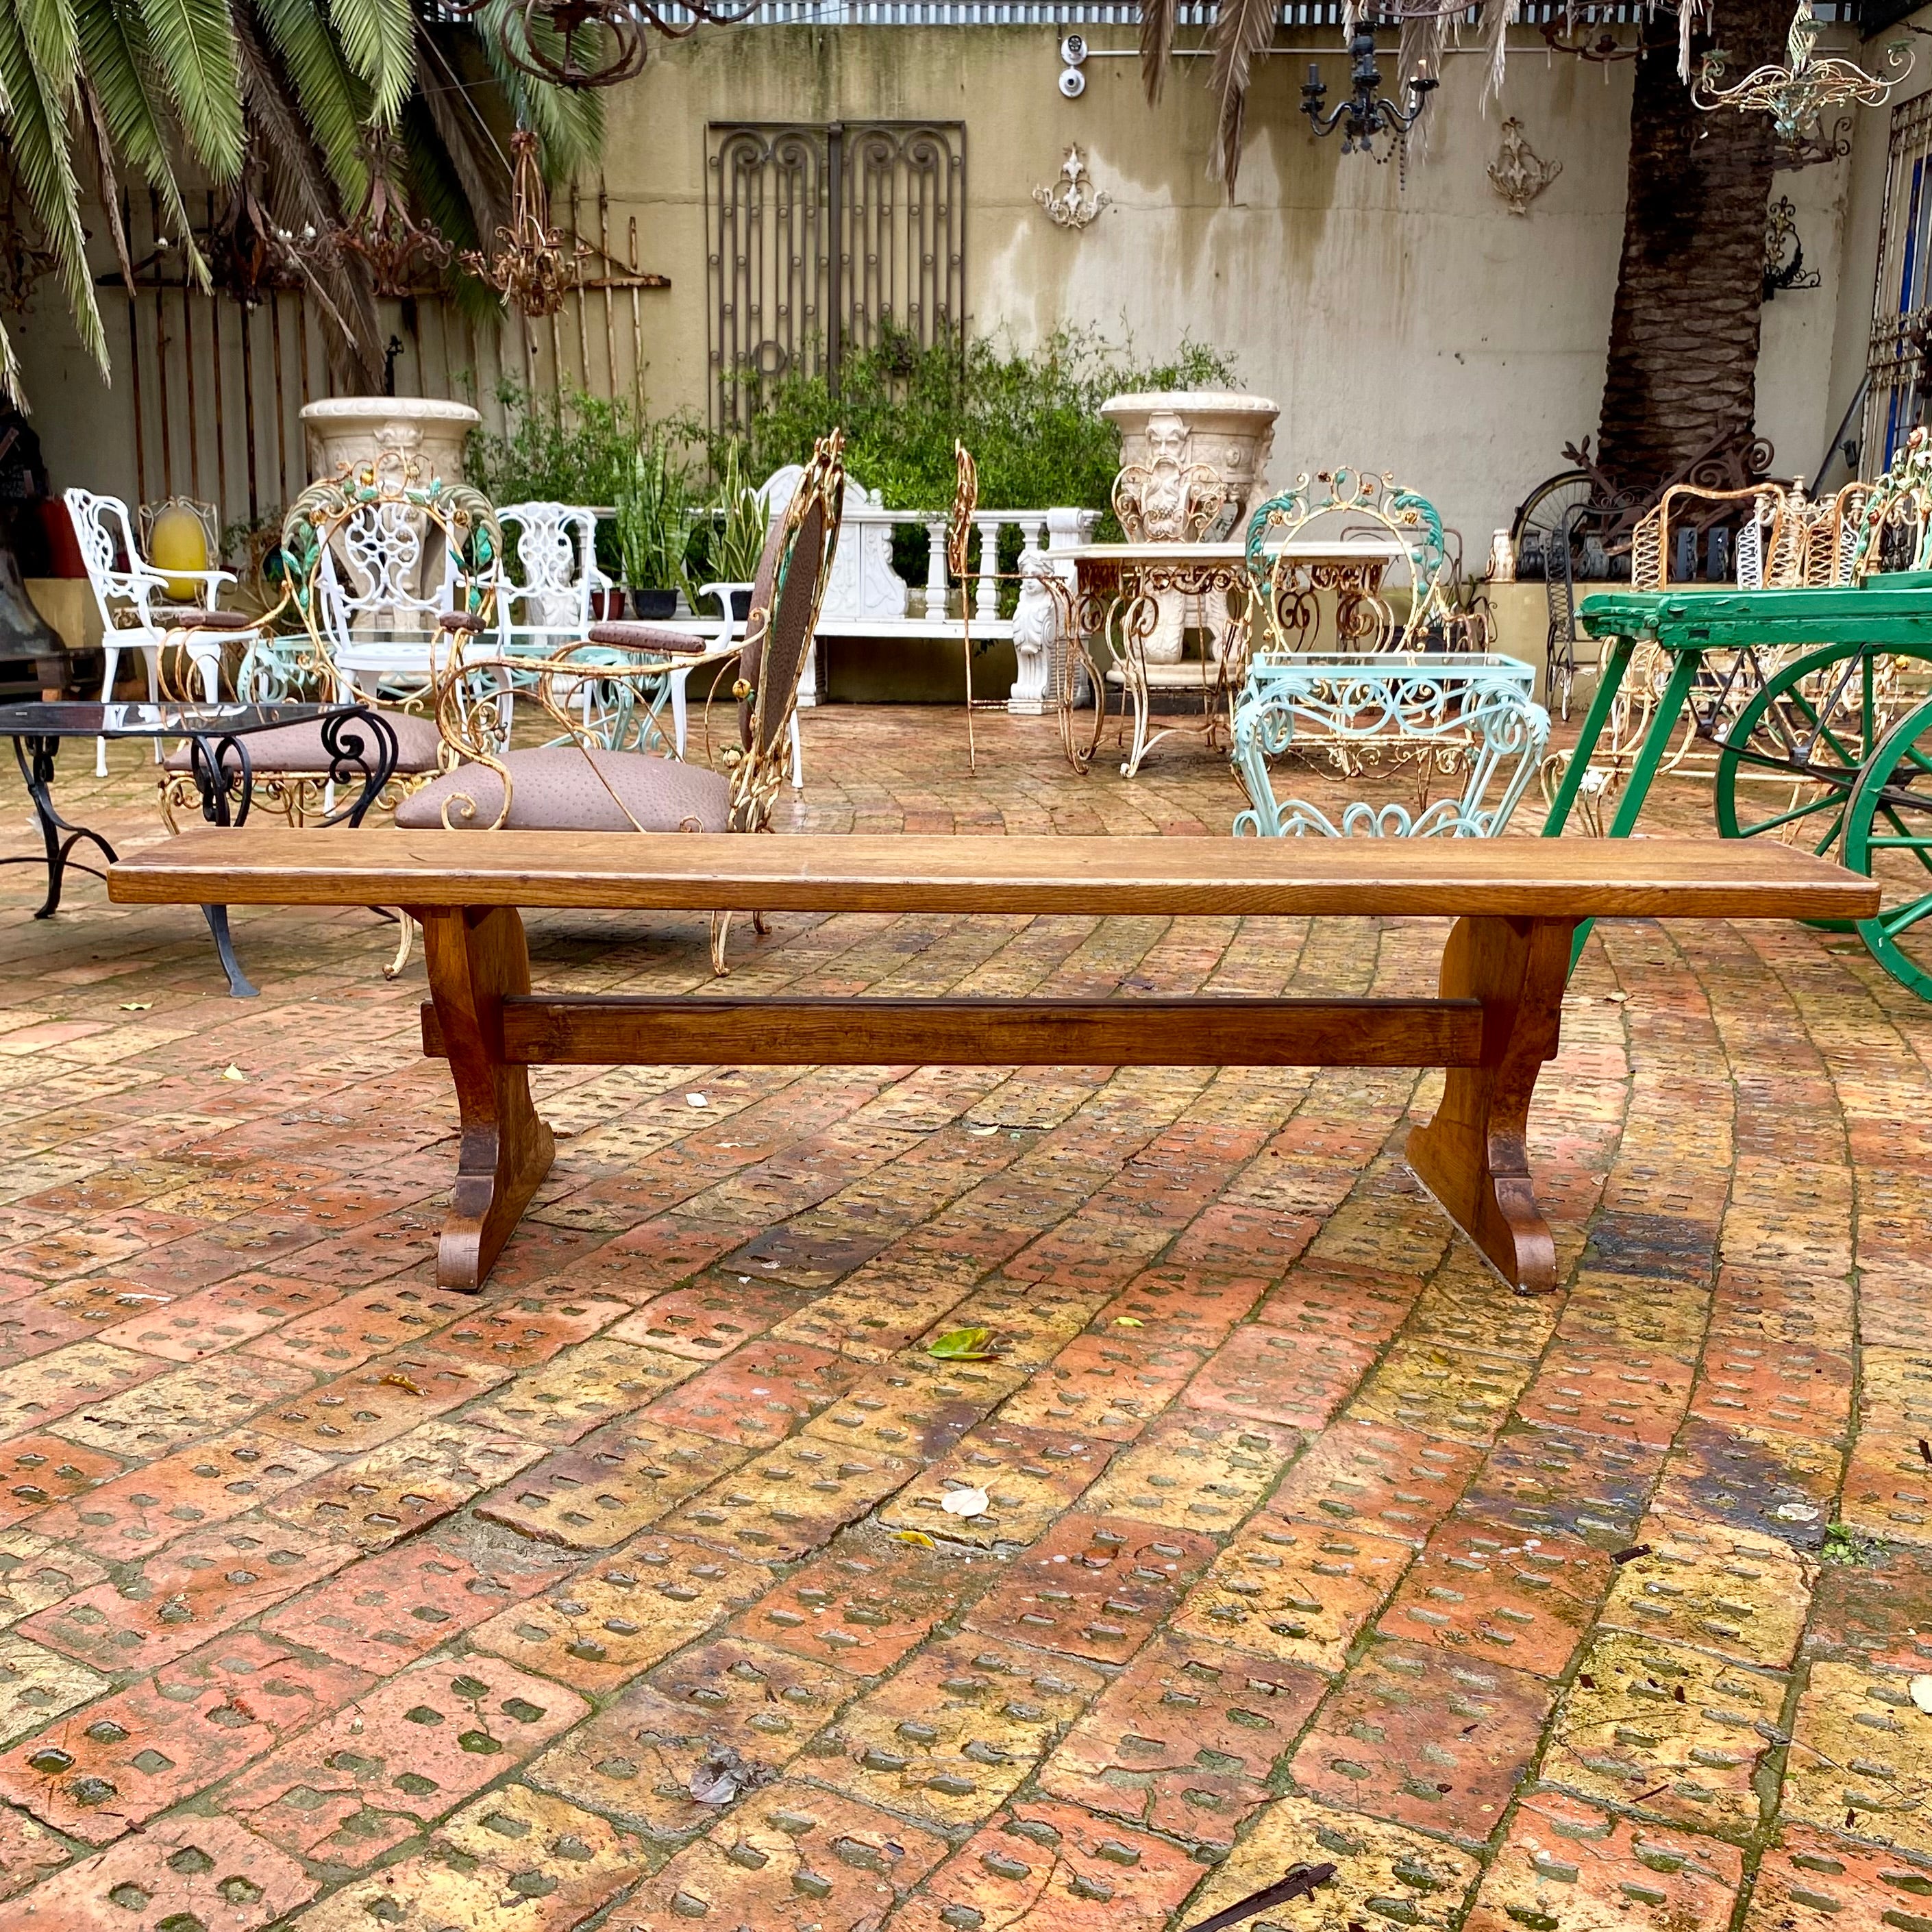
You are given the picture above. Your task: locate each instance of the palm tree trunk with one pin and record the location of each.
(1684, 334)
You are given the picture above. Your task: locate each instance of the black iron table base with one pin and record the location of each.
(358, 746)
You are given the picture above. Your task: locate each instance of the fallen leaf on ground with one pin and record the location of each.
(1921, 1688)
(393, 1381)
(137, 1006)
(963, 1345)
(1129, 1321)
(964, 1502)
(696, 1100)
(725, 1776)
(917, 1538)
(233, 1073)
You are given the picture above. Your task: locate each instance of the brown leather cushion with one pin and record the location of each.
(559, 788)
(187, 617)
(646, 637)
(298, 747)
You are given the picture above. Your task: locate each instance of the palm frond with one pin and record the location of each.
(116, 66)
(107, 181)
(37, 140)
(9, 372)
(301, 197)
(1156, 45)
(569, 123)
(193, 47)
(481, 167)
(1499, 16)
(1242, 29)
(335, 103)
(379, 41)
(47, 30)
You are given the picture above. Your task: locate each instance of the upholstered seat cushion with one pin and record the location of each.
(191, 616)
(298, 747)
(566, 788)
(659, 638)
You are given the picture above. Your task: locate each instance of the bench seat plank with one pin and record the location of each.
(1524, 878)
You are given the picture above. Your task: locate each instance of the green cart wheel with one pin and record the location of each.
(1789, 762)
(1887, 836)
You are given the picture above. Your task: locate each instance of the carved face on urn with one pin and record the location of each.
(1166, 438)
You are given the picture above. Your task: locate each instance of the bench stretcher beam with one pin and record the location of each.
(606, 1031)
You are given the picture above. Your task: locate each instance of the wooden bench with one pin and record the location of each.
(1494, 1022)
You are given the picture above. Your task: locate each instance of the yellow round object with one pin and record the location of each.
(179, 542)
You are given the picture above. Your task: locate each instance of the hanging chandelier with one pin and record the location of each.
(1797, 95)
(1365, 112)
(533, 268)
(404, 257)
(586, 43)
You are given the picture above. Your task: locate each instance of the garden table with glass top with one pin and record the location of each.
(358, 747)
(1799, 692)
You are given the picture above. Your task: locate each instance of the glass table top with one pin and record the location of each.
(66, 719)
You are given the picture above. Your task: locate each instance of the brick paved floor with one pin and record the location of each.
(623, 1595)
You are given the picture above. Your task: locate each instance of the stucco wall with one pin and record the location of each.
(1421, 328)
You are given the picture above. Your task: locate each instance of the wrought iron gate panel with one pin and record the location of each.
(821, 236)
(1902, 298)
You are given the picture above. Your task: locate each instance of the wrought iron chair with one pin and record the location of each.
(296, 649)
(137, 610)
(1402, 525)
(962, 576)
(584, 784)
(1394, 702)
(545, 600)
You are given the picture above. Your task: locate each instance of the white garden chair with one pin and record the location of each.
(136, 611)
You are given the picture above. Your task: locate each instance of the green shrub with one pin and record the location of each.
(569, 448)
(652, 522)
(1031, 420)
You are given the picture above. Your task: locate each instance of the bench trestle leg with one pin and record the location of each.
(1472, 1156)
(475, 957)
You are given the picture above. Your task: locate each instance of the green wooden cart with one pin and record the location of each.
(1814, 703)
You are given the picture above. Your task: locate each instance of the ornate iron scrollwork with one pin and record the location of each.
(1783, 252)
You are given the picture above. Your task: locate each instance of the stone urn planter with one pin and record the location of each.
(357, 429)
(1231, 434)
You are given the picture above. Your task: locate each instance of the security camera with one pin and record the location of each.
(1073, 50)
(1072, 83)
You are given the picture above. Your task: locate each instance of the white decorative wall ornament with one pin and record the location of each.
(1519, 174)
(1073, 202)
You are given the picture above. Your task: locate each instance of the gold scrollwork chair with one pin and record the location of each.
(582, 783)
(960, 573)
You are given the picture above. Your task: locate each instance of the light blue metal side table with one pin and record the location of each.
(1473, 715)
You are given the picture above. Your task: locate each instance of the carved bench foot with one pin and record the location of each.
(475, 958)
(1472, 1156)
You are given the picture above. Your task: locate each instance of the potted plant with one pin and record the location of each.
(740, 522)
(650, 533)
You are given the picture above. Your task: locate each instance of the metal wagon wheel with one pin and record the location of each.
(1890, 813)
(1789, 761)
(1545, 512)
